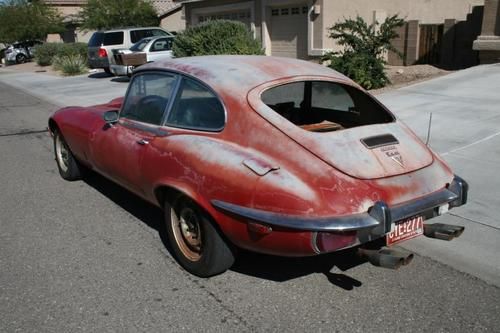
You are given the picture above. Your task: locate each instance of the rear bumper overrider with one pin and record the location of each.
(371, 225)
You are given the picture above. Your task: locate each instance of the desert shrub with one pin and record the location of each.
(216, 37)
(45, 53)
(362, 58)
(72, 64)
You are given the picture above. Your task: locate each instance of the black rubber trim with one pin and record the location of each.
(380, 215)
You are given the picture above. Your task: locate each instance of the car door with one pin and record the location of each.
(118, 149)
(161, 48)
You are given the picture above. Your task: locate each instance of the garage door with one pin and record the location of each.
(243, 16)
(289, 31)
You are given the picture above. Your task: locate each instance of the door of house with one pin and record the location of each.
(429, 50)
(288, 31)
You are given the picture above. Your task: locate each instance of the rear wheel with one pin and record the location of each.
(66, 162)
(108, 71)
(20, 58)
(197, 244)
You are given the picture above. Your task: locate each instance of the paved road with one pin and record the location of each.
(90, 256)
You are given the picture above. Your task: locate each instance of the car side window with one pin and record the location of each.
(136, 35)
(162, 44)
(148, 97)
(196, 107)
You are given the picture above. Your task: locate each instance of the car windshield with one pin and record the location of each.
(323, 106)
(140, 45)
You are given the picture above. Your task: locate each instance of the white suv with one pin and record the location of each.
(102, 43)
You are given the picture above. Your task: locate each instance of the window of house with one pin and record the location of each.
(324, 106)
(275, 12)
(284, 11)
(196, 107)
(148, 98)
(295, 11)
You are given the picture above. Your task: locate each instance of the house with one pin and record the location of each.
(298, 28)
(169, 12)
(488, 43)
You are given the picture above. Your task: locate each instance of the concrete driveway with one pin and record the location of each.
(465, 131)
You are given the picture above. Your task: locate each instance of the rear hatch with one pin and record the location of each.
(368, 152)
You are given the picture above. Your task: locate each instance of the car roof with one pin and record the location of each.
(129, 28)
(238, 73)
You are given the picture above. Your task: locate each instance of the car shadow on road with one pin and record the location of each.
(262, 266)
(120, 79)
(100, 75)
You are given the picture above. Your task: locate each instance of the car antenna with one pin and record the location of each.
(429, 130)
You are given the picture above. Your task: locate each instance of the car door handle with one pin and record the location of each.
(143, 142)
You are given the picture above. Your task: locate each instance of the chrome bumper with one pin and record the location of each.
(370, 225)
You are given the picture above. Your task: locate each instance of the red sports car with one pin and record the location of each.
(268, 154)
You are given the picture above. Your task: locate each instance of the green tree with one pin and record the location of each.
(108, 14)
(23, 19)
(216, 37)
(362, 58)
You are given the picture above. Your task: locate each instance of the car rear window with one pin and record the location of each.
(324, 106)
(137, 35)
(140, 45)
(96, 39)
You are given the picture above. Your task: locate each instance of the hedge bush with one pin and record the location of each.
(45, 53)
(216, 37)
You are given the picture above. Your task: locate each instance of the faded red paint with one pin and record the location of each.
(314, 175)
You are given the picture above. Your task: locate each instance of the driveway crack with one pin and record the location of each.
(474, 221)
(22, 132)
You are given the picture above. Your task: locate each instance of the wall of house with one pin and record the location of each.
(426, 11)
(174, 21)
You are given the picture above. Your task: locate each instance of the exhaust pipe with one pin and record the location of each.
(443, 231)
(387, 258)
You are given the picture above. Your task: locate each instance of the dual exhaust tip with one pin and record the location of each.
(393, 259)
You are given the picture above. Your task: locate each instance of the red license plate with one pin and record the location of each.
(405, 230)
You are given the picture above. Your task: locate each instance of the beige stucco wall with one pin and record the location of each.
(426, 11)
(174, 21)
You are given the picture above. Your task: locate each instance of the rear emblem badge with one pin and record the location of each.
(394, 154)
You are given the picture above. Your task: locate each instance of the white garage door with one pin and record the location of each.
(288, 31)
(241, 16)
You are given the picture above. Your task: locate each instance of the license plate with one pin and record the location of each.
(405, 230)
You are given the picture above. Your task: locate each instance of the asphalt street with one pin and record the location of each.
(89, 256)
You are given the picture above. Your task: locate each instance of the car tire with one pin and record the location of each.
(108, 71)
(20, 58)
(68, 166)
(196, 243)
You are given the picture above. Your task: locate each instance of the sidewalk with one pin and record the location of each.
(82, 90)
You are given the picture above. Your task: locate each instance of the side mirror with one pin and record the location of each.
(110, 117)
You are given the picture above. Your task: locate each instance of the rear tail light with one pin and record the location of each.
(329, 242)
(103, 53)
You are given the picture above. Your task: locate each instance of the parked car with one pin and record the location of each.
(153, 48)
(102, 43)
(274, 155)
(20, 52)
